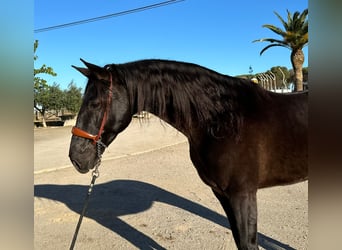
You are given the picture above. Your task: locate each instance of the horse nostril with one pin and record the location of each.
(76, 164)
(78, 167)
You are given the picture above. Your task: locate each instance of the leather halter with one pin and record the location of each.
(95, 138)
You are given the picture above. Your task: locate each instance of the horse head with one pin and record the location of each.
(105, 112)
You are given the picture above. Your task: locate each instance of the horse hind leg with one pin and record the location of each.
(241, 210)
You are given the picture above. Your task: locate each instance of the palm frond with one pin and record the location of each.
(295, 17)
(305, 27)
(273, 45)
(271, 40)
(274, 29)
(305, 37)
(289, 19)
(295, 33)
(303, 15)
(282, 20)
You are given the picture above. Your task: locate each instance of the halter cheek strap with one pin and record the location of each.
(95, 138)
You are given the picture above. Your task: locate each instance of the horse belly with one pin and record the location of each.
(282, 167)
(278, 178)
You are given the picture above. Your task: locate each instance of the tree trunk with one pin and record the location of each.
(44, 122)
(41, 111)
(43, 119)
(297, 60)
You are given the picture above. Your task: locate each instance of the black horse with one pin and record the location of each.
(241, 137)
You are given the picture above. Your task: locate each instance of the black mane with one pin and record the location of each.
(189, 94)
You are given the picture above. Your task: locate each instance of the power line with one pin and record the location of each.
(94, 19)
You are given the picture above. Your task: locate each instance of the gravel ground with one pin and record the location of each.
(149, 198)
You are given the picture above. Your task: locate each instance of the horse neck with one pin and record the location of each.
(147, 94)
(188, 98)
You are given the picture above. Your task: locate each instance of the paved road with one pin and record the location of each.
(148, 196)
(51, 145)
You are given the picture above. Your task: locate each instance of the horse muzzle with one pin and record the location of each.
(78, 167)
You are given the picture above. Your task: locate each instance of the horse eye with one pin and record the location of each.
(94, 104)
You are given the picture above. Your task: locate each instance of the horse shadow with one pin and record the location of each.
(122, 197)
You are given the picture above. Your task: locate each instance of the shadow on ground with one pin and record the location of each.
(122, 197)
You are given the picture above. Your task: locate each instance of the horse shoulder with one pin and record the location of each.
(224, 164)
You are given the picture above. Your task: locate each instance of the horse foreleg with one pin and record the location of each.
(241, 210)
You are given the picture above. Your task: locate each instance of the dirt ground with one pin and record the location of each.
(148, 196)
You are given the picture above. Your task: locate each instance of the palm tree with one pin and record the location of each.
(295, 37)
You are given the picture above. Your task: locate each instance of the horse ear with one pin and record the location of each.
(84, 71)
(97, 71)
(90, 66)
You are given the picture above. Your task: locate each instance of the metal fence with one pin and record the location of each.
(269, 81)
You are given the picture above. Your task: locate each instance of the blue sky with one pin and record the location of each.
(217, 34)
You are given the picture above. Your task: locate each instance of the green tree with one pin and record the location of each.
(41, 88)
(56, 99)
(294, 37)
(72, 98)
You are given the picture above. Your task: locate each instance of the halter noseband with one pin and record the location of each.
(96, 138)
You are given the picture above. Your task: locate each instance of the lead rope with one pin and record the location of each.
(95, 174)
